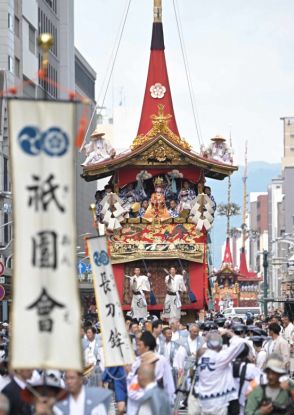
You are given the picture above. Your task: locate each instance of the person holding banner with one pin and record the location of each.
(91, 346)
(140, 286)
(175, 285)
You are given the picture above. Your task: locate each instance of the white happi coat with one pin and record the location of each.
(216, 385)
(172, 303)
(139, 304)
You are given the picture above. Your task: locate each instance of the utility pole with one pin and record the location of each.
(265, 282)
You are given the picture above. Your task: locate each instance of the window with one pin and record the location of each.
(9, 21)
(6, 229)
(16, 26)
(10, 63)
(32, 39)
(17, 67)
(5, 175)
(52, 4)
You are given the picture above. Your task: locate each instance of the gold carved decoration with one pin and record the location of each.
(161, 152)
(160, 126)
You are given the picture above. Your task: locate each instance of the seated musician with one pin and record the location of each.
(187, 189)
(128, 192)
(207, 191)
(143, 208)
(185, 204)
(173, 209)
(127, 205)
(157, 209)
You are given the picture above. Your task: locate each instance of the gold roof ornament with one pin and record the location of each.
(160, 123)
(157, 11)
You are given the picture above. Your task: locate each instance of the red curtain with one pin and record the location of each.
(128, 174)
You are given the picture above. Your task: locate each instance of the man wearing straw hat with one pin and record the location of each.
(275, 394)
(98, 149)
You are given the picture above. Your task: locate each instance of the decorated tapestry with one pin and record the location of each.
(136, 241)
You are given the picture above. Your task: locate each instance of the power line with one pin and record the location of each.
(113, 59)
(187, 70)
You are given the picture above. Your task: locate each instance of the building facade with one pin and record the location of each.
(85, 78)
(21, 22)
(258, 236)
(275, 230)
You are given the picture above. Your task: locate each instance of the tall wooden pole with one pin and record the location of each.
(244, 213)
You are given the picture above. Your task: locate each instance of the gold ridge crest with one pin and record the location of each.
(160, 123)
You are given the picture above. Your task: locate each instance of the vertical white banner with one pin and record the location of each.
(46, 306)
(116, 342)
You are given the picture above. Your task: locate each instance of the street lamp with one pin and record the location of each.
(265, 282)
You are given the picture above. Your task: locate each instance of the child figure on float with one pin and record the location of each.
(157, 209)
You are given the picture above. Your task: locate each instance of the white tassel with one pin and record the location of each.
(118, 210)
(206, 224)
(101, 229)
(111, 224)
(107, 217)
(199, 225)
(105, 208)
(117, 225)
(208, 216)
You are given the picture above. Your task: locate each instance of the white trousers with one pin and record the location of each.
(193, 405)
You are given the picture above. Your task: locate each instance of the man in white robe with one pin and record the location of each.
(175, 285)
(140, 286)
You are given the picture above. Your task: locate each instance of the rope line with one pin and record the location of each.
(187, 70)
(114, 55)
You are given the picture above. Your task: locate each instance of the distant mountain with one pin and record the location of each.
(260, 175)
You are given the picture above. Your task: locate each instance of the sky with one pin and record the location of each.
(241, 61)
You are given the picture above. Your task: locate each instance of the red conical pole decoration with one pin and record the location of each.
(157, 87)
(227, 260)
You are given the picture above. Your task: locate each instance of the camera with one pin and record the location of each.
(277, 409)
(280, 409)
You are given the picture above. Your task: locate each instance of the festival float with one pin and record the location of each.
(157, 209)
(236, 286)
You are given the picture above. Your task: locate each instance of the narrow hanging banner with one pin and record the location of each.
(46, 307)
(116, 343)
